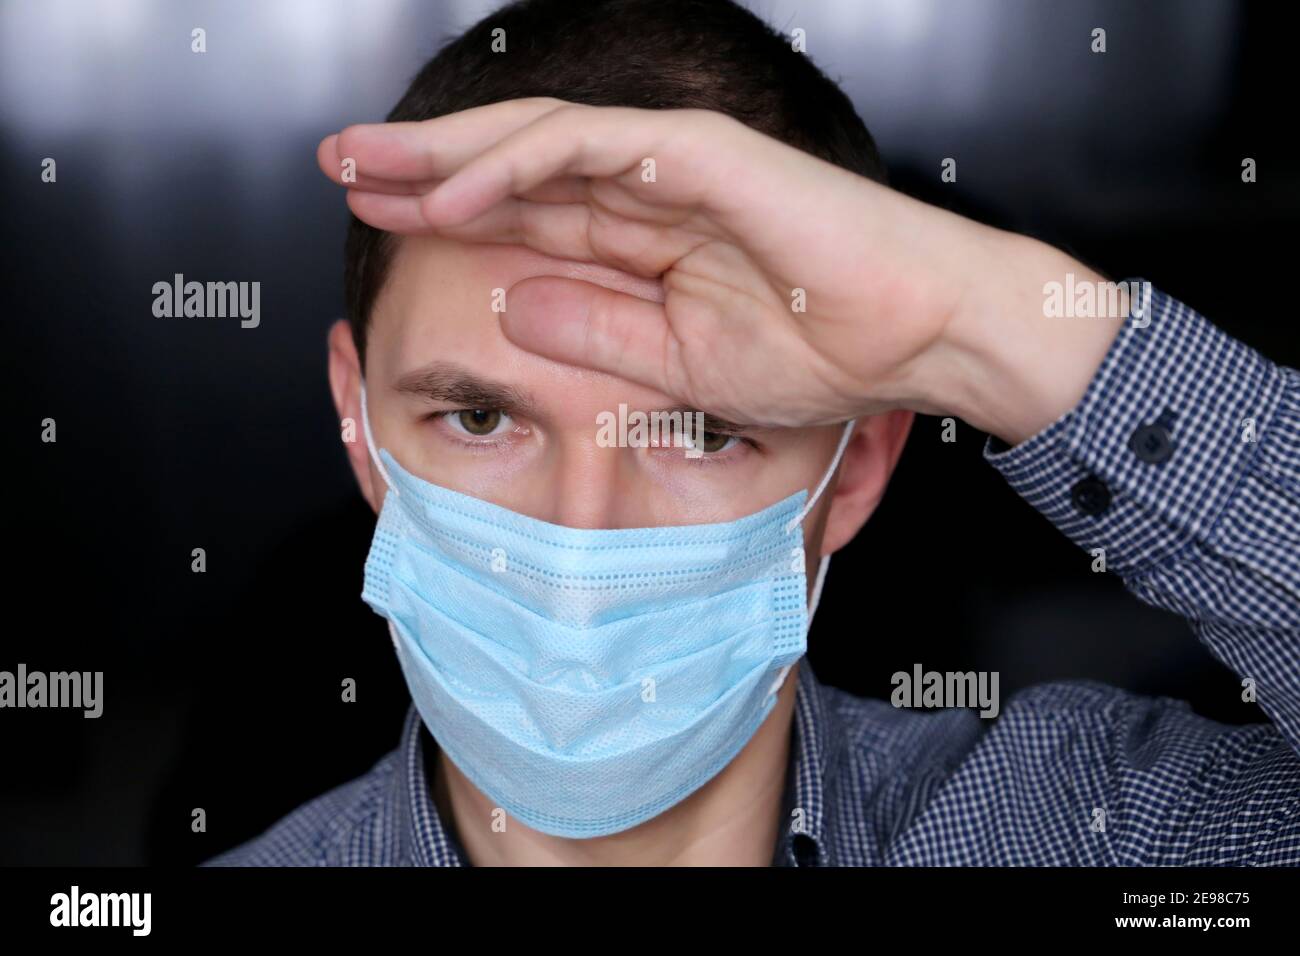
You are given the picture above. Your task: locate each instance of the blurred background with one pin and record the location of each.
(222, 689)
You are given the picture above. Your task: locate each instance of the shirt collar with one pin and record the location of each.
(425, 841)
(803, 839)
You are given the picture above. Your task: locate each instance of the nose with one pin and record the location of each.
(587, 483)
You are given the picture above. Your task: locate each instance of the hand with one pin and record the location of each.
(906, 305)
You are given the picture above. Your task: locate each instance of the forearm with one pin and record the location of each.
(1180, 467)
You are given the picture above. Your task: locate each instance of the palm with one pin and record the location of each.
(756, 288)
(735, 320)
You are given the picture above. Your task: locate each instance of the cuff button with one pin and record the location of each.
(1091, 496)
(1152, 443)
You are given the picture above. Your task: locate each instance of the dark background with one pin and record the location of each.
(222, 690)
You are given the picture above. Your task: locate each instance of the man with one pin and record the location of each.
(678, 211)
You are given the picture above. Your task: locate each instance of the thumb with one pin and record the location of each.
(588, 325)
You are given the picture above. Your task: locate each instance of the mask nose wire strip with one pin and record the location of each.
(370, 444)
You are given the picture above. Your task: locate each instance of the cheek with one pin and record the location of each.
(378, 489)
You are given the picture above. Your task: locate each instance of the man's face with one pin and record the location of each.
(456, 403)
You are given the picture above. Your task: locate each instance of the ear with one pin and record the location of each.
(869, 460)
(345, 386)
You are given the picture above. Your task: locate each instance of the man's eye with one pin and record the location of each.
(478, 422)
(710, 442)
(715, 442)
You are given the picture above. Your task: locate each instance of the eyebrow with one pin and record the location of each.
(454, 384)
(457, 385)
(712, 424)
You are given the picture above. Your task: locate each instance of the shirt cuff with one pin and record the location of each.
(1153, 453)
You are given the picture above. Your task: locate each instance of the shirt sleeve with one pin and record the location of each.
(1181, 467)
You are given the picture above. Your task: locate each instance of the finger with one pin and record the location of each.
(327, 156)
(334, 169)
(559, 230)
(399, 214)
(436, 148)
(563, 230)
(587, 325)
(567, 189)
(604, 142)
(333, 166)
(576, 231)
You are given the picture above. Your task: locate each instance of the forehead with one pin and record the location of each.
(438, 302)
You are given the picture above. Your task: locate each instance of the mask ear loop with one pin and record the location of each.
(825, 563)
(839, 453)
(370, 444)
(383, 473)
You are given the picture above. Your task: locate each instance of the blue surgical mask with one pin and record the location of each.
(587, 680)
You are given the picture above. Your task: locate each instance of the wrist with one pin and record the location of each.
(1033, 326)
